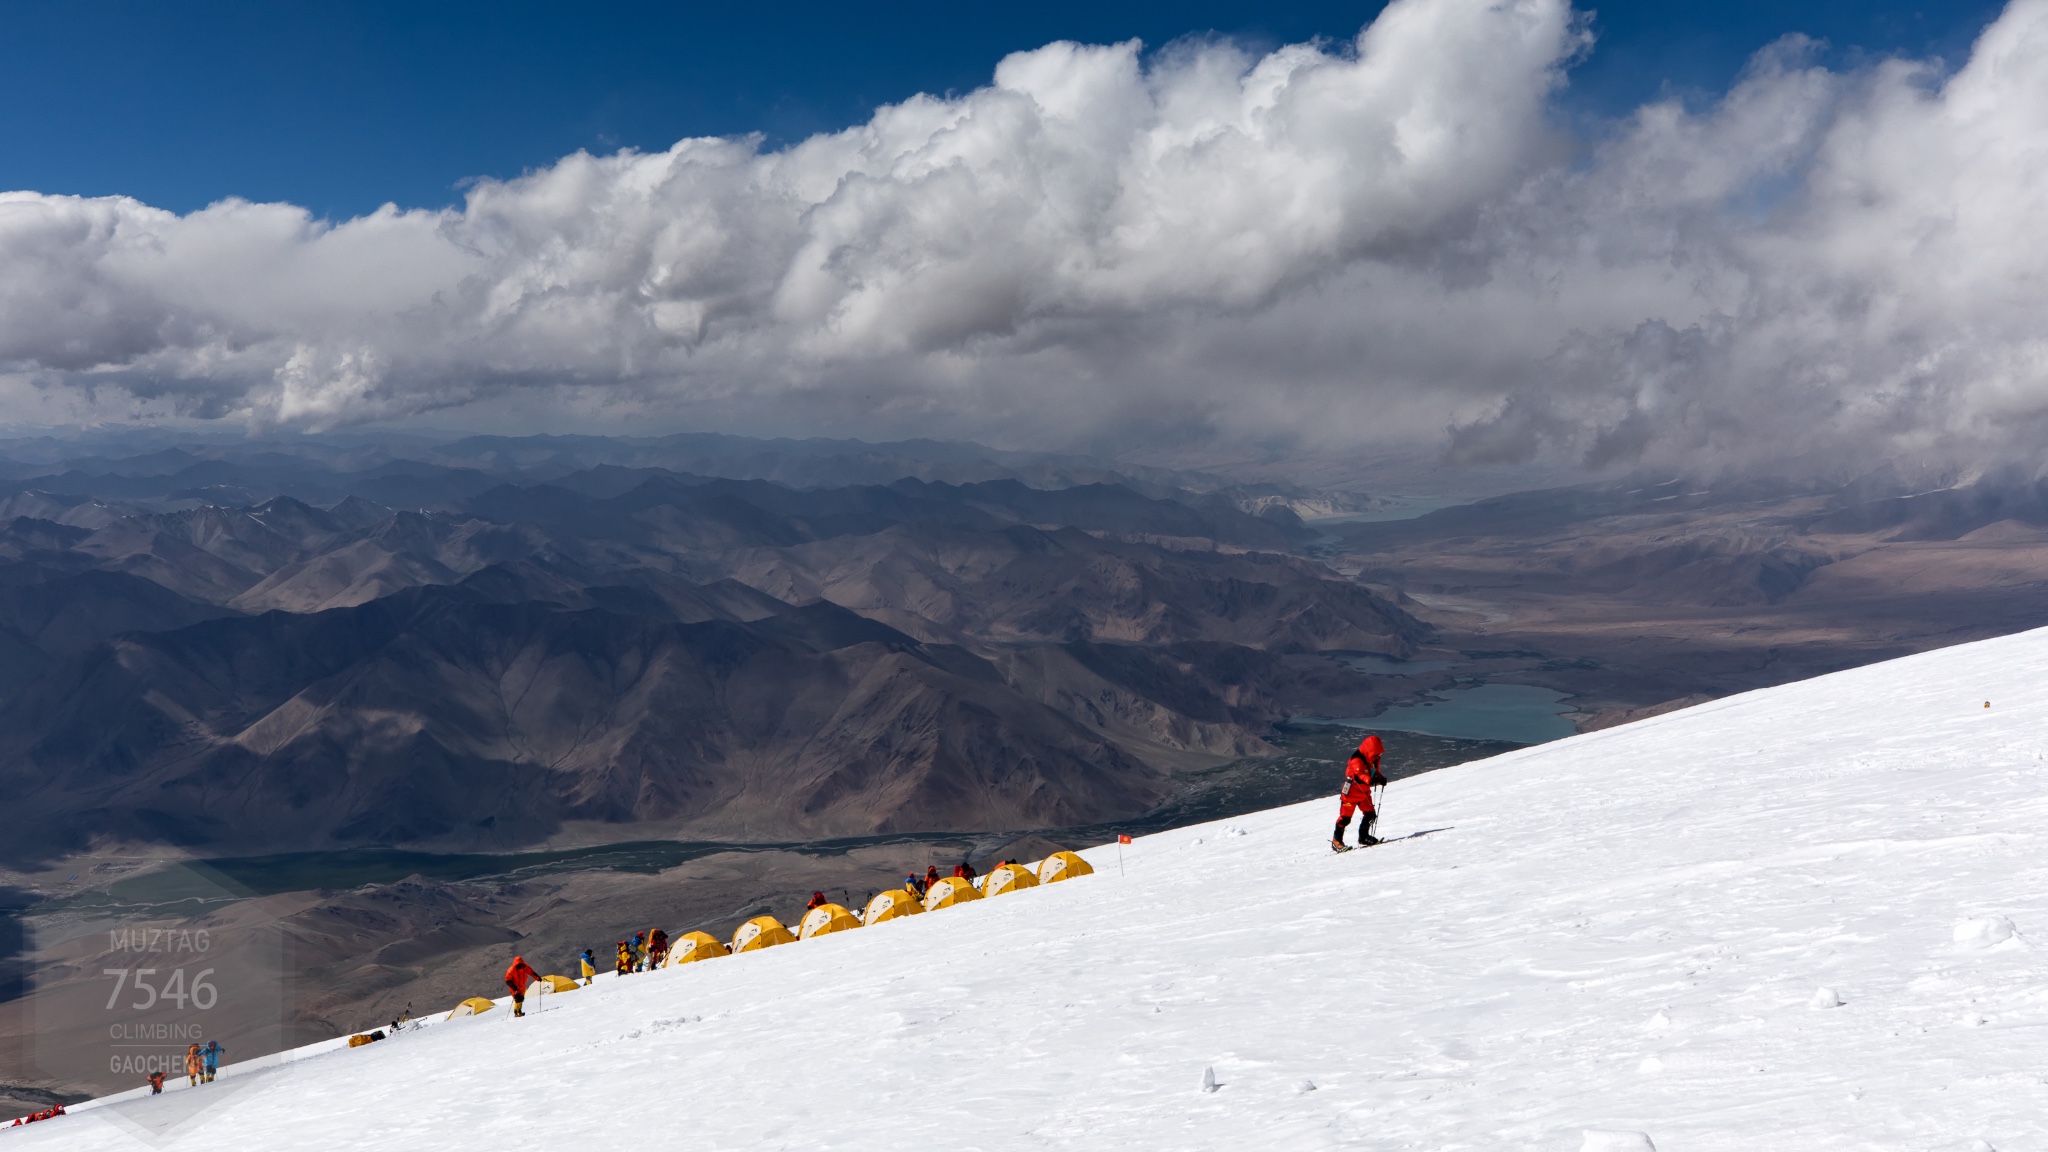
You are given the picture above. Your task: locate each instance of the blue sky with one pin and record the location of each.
(341, 107)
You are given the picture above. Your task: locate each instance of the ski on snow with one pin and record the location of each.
(1335, 848)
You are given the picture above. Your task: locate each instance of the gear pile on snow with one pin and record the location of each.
(50, 1113)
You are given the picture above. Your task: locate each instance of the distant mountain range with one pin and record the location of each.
(409, 472)
(276, 649)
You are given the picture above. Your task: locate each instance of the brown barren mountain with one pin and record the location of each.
(433, 717)
(1023, 585)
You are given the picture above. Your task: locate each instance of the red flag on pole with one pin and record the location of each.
(1122, 839)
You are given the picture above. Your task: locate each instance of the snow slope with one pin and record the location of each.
(1621, 931)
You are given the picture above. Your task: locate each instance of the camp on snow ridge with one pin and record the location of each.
(822, 918)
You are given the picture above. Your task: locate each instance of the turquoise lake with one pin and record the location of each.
(1516, 712)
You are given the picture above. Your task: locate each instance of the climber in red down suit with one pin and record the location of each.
(1361, 773)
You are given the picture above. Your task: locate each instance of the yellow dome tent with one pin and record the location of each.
(560, 983)
(1062, 866)
(824, 920)
(890, 905)
(760, 932)
(947, 892)
(1008, 878)
(474, 1006)
(692, 946)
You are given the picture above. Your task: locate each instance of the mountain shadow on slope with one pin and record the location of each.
(1945, 514)
(437, 718)
(627, 592)
(1021, 584)
(49, 614)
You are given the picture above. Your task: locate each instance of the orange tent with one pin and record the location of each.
(1008, 878)
(474, 1006)
(760, 932)
(824, 920)
(694, 946)
(948, 891)
(1062, 866)
(890, 905)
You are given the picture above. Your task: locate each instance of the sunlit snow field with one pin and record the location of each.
(1620, 931)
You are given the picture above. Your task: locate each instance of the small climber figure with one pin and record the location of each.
(195, 1065)
(156, 1083)
(657, 948)
(914, 885)
(625, 957)
(817, 901)
(212, 1054)
(639, 951)
(931, 877)
(589, 967)
(1361, 773)
(517, 978)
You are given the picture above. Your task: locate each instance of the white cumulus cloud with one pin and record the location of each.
(1388, 239)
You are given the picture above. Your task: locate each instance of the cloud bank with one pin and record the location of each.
(1384, 240)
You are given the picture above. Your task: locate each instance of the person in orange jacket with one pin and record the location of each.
(1361, 773)
(518, 977)
(194, 1065)
(817, 901)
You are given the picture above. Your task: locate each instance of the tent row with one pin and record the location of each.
(767, 932)
(825, 919)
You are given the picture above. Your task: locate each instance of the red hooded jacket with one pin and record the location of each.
(1363, 771)
(519, 975)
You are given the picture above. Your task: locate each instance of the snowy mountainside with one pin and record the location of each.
(1626, 931)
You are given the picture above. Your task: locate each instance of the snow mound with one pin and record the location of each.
(1983, 932)
(1618, 931)
(1598, 1140)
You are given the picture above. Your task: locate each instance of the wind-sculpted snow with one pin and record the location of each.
(1804, 918)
